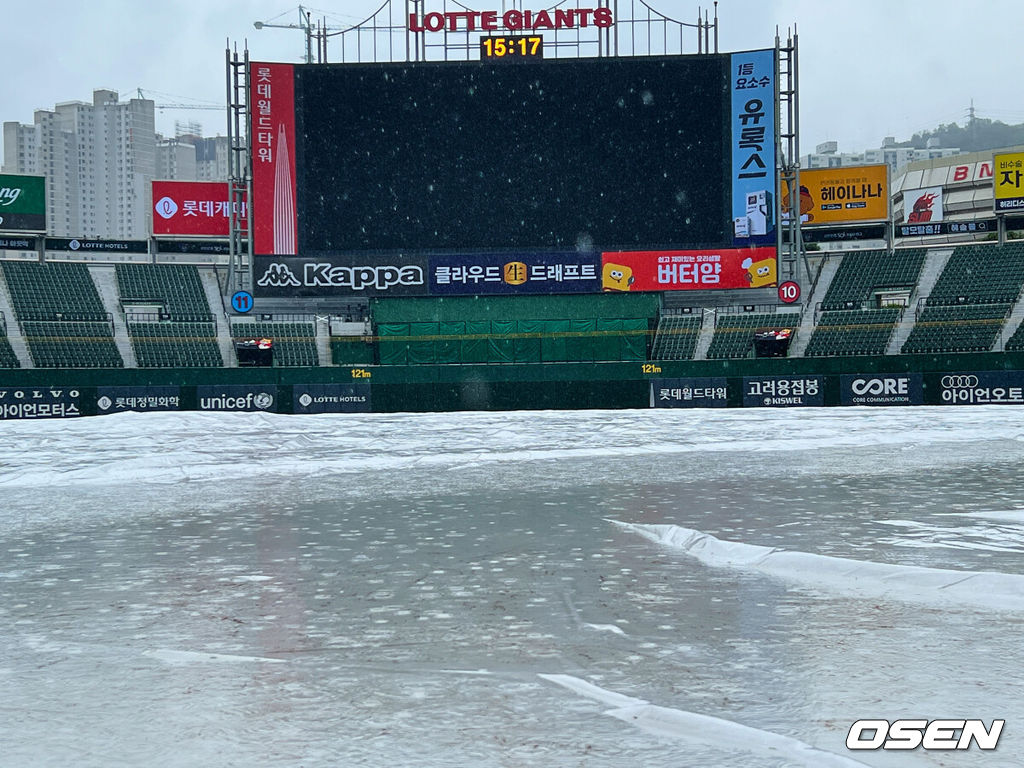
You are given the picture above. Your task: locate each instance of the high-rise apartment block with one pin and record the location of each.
(99, 160)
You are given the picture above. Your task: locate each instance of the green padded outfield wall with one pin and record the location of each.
(421, 388)
(562, 307)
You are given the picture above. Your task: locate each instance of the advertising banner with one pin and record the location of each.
(783, 391)
(1008, 182)
(307, 276)
(847, 195)
(752, 79)
(881, 389)
(272, 104)
(705, 392)
(516, 273)
(111, 246)
(331, 398)
(982, 388)
(145, 399)
(22, 203)
(977, 226)
(39, 403)
(688, 270)
(208, 247)
(236, 397)
(922, 206)
(17, 243)
(194, 208)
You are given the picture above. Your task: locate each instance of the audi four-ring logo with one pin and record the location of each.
(951, 382)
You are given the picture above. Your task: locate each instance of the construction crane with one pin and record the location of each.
(318, 31)
(304, 24)
(142, 95)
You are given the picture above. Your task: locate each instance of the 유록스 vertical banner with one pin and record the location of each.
(194, 208)
(22, 203)
(704, 392)
(752, 80)
(726, 268)
(272, 104)
(922, 206)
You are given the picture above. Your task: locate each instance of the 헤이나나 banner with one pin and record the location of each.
(847, 195)
(726, 268)
(22, 203)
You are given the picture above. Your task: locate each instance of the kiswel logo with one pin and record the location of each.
(928, 735)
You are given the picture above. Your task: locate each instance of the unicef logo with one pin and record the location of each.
(952, 382)
(263, 401)
(305, 400)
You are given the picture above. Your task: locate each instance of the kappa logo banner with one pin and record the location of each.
(300, 276)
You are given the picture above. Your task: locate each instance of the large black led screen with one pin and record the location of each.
(591, 154)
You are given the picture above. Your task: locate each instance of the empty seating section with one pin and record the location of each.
(53, 291)
(175, 345)
(177, 287)
(969, 328)
(1016, 342)
(734, 333)
(676, 338)
(853, 332)
(71, 344)
(7, 357)
(294, 343)
(862, 272)
(981, 274)
(61, 315)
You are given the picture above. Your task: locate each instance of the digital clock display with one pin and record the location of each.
(512, 47)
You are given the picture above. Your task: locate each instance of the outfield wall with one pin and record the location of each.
(957, 379)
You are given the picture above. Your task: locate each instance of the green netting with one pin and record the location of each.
(423, 343)
(501, 346)
(528, 341)
(475, 344)
(449, 346)
(394, 343)
(634, 339)
(351, 350)
(553, 346)
(580, 344)
(572, 307)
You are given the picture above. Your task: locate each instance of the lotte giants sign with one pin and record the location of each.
(515, 21)
(194, 208)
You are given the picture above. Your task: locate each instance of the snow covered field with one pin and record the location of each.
(627, 588)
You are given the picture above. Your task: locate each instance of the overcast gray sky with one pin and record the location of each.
(868, 68)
